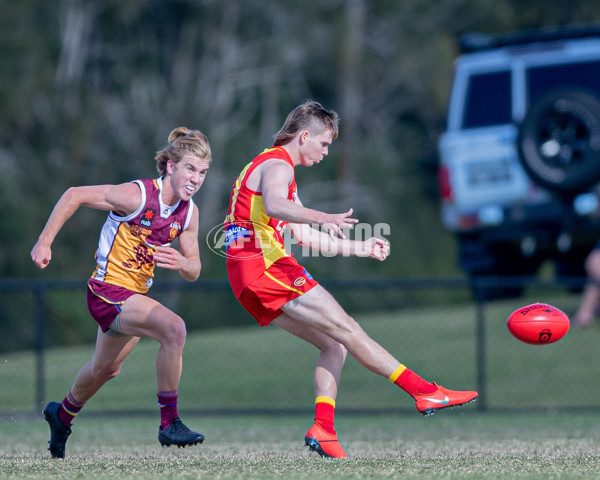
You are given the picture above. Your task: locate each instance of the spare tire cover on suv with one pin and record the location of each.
(559, 141)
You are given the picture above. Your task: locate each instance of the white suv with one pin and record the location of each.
(520, 159)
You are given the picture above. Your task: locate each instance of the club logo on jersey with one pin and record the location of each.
(299, 281)
(147, 217)
(174, 231)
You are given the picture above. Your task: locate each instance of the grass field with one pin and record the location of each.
(455, 444)
(247, 367)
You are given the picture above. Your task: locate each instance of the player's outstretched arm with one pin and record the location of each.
(122, 199)
(317, 240)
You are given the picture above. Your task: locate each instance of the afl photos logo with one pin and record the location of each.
(242, 233)
(299, 281)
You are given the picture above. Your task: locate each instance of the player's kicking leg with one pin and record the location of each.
(317, 309)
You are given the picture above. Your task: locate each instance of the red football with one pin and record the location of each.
(538, 324)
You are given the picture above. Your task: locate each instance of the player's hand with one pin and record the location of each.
(336, 222)
(170, 258)
(377, 248)
(41, 255)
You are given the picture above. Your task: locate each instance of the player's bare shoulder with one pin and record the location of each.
(124, 198)
(273, 170)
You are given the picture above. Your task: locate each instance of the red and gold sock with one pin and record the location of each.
(410, 382)
(69, 408)
(325, 413)
(167, 401)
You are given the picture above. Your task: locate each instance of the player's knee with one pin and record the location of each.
(335, 348)
(175, 332)
(342, 351)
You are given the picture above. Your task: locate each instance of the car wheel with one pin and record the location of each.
(559, 141)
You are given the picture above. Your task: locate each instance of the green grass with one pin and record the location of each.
(255, 368)
(252, 367)
(456, 444)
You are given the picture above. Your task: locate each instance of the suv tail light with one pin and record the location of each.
(444, 184)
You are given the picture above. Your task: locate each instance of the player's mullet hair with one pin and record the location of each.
(311, 116)
(183, 141)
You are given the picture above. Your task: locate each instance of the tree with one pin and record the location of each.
(90, 90)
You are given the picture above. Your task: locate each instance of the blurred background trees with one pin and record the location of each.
(90, 90)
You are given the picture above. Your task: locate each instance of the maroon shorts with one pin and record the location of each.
(282, 282)
(104, 301)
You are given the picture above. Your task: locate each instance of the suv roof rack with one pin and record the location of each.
(476, 41)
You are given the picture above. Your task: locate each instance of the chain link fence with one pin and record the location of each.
(231, 365)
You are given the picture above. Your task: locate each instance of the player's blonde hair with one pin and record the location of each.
(183, 141)
(311, 116)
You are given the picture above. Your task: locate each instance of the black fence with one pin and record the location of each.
(437, 327)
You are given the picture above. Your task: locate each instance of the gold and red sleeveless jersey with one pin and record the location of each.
(125, 255)
(253, 239)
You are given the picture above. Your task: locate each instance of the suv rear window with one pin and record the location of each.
(488, 100)
(583, 75)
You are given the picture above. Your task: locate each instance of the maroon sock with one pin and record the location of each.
(167, 401)
(69, 408)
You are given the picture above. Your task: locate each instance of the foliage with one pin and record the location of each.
(90, 90)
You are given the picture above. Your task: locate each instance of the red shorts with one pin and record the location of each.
(282, 282)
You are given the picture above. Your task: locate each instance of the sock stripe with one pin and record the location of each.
(396, 373)
(70, 412)
(328, 400)
(74, 402)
